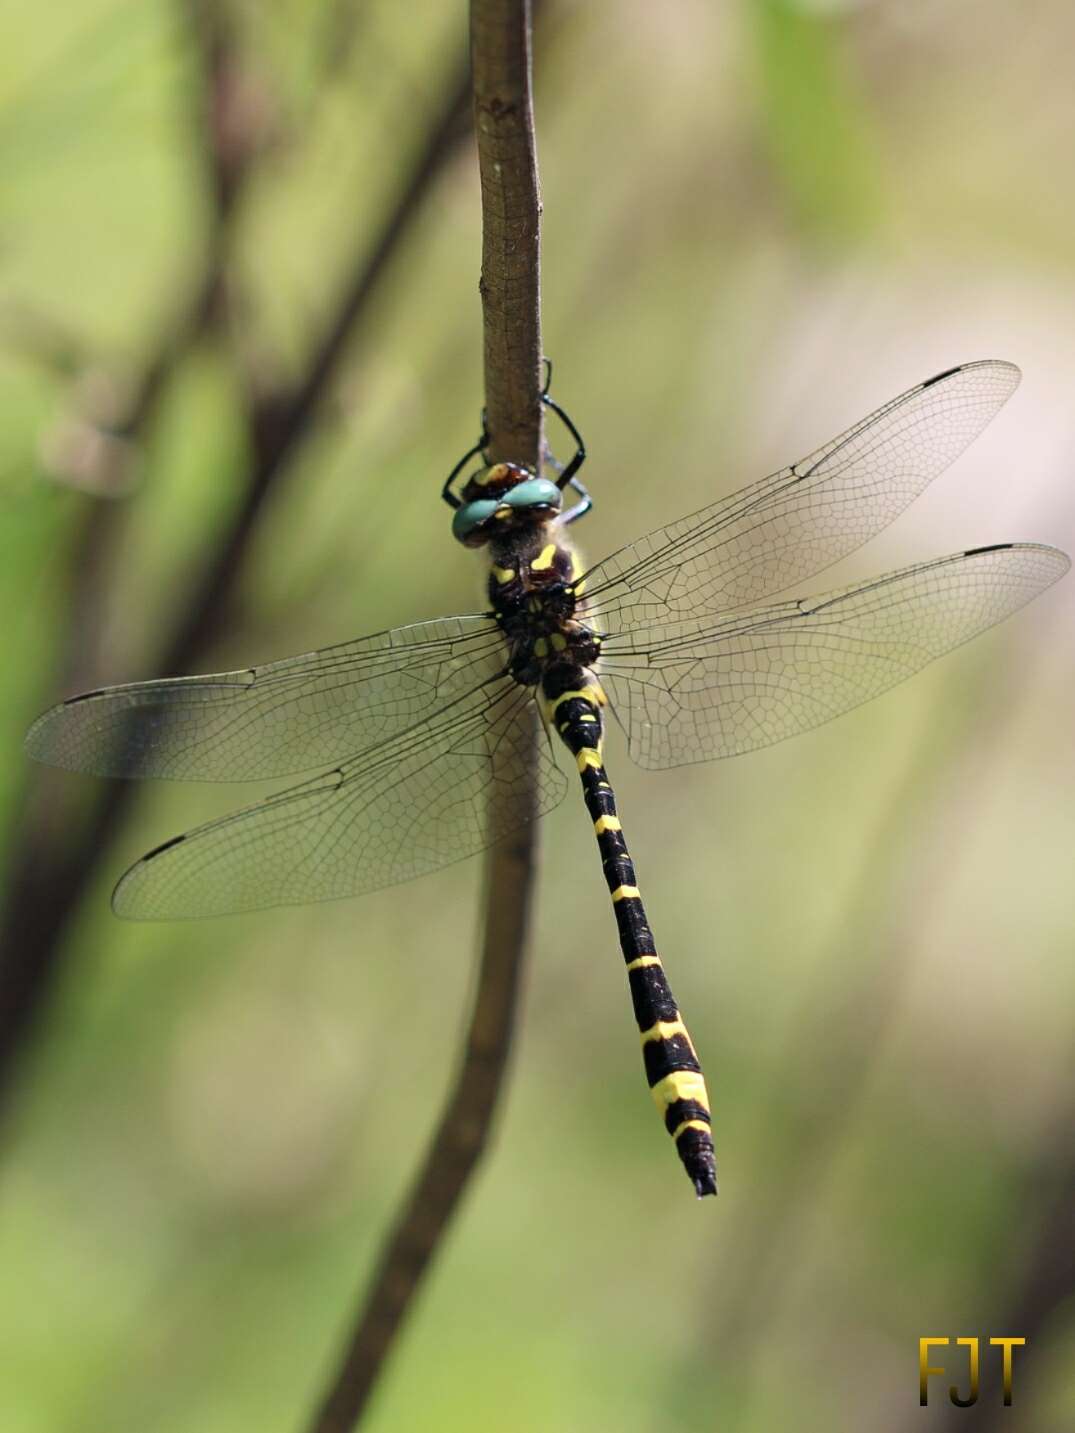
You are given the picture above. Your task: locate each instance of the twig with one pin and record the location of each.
(511, 214)
(500, 33)
(454, 1150)
(53, 868)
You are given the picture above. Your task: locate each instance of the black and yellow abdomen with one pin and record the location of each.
(572, 702)
(538, 597)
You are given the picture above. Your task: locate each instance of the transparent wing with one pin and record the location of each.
(442, 792)
(696, 691)
(275, 720)
(791, 525)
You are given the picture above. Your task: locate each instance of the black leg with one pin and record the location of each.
(568, 473)
(478, 449)
(582, 507)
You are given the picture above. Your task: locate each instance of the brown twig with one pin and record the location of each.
(455, 1148)
(56, 860)
(500, 32)
(511, 214)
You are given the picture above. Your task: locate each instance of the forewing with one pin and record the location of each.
(275, 720)
(453, 786)
(791, 525)
(697, 691)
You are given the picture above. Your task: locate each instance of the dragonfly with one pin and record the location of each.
(416, 745)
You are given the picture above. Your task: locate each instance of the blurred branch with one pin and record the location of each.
(455, 1148)
(229, 124)
(345, 22)
(500, 35)
(55, 856)
(41, 337)
(233, 109)
(226, 133)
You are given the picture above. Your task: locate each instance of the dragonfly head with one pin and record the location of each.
(501, 499)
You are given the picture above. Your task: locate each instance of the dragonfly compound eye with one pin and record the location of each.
(534, 493)
(532, 499)
(470, 521)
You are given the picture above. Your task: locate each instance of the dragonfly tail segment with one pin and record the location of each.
(572, 700)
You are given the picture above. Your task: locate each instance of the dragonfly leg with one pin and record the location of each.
(478, 449)
(582, 507)
(567, 474)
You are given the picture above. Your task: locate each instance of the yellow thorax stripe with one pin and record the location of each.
(503, 574)
(578, 585)
(492, 474)
(545, 559)
(680, 1085)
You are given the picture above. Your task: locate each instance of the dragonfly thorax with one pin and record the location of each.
(543, 627)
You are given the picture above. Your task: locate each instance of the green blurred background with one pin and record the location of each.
(761, 220)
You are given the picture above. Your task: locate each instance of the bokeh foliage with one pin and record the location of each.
(760, 220)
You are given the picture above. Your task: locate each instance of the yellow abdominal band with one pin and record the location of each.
(680, 1085)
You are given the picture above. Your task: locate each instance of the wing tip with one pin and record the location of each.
(48, 718)
(37, 743)
(124, 897)
(998, 365)
(1060, 559)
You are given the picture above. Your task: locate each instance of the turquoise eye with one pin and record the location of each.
(534, 492)
(472, 515)
(530, 493)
